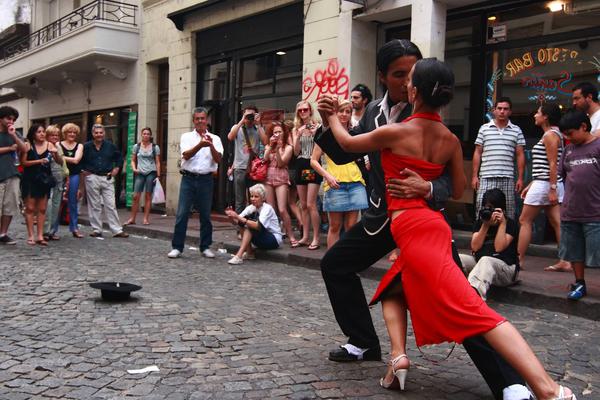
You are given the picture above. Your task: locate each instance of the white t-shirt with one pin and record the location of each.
(595, 120)
(202, 162)
(267, 217)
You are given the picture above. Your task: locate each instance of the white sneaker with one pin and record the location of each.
(208, 253)
(235, 260)
(174, 254)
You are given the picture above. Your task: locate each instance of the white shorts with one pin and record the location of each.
(537, 195)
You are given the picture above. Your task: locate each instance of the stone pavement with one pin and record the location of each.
(537, 288)
(215, 331)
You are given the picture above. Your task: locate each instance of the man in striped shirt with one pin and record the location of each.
(497, 144)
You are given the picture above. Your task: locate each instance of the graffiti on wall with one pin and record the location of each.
(332, 80)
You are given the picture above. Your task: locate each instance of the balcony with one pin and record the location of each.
(99, 36)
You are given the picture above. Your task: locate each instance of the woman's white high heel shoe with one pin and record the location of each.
(399, 375)
(561, 395)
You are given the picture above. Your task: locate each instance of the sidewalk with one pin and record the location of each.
(537, 289)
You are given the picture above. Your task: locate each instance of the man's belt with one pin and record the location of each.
(193, 174)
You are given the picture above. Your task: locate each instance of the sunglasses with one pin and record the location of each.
(303, 109)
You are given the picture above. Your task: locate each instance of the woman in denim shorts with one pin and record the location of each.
(145, 162)
(344, 188)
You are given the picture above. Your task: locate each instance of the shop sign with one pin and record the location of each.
(131, 136)
(496, 33)
(527, 69)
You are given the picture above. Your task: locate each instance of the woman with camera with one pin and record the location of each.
(494, 246)
(546, 190)
(259, 226)
(278, 153)
(307, 179)
(344, 187)
(37, 181)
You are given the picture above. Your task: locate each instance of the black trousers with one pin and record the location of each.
(356, 251)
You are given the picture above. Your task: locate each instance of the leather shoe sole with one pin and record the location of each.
(341, 355)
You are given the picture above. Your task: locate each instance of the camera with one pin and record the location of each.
(250, 117)
(485, 214)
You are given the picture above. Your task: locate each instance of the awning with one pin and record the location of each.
(178, 17)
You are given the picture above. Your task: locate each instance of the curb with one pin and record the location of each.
(520, 294)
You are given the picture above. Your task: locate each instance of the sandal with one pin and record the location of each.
(31, 242)
(130, 222)
(77, 234)
(562, 396)
(399, 375)
(558, 268)
(314, 246)
(298, 243)
(54, 237)
(42, 242)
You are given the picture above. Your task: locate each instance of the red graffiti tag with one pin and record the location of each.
(331, 80)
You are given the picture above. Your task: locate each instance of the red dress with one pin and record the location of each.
(443, 306)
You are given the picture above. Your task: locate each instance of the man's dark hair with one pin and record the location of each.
(573, 119)
(587, 89)
(503, 99)
(434, 81)
(365, 92)
(553, 112)
(393, 50)
(251, 107)
(8, 111)
(31, 132)
(495, 197)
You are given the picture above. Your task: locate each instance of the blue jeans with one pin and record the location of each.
(72, 202)
(196, 191)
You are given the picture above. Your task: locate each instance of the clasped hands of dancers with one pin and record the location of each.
(451, 311)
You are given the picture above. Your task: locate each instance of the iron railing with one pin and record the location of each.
(99, 10)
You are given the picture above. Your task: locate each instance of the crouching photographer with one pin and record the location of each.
(259, 226)
(494, 246)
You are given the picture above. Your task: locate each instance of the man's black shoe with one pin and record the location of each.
(341, 355)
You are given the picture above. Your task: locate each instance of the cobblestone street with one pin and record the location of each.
(258, 330)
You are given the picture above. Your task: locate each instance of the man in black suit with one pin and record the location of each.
(370, 239)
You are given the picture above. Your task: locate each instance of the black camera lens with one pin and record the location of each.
(250, 117)
(485, 214)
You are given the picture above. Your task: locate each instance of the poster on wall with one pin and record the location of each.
(131, 139)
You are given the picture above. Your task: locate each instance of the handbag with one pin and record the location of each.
(258, 169)
(158, 194)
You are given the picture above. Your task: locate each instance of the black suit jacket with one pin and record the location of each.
(376, 216)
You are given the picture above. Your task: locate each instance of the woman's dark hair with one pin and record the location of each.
(552, 111)
(31, 132)
(393, 50)
(495, 197)
(434, 81)
(573, 119)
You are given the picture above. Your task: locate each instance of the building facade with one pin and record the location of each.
(72, 61)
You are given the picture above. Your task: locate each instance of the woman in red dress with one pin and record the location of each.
(444, 308)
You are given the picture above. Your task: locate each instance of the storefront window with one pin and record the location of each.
(539, 74)
(214, 81)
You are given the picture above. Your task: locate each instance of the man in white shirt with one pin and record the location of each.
(497, 145)
(360, 96)
(201, 152)
(585, 98)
